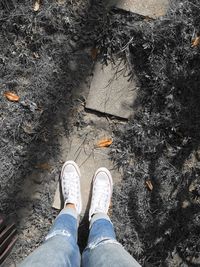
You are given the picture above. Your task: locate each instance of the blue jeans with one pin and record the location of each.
(60, 248)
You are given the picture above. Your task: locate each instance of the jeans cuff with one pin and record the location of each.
(69, 211)
(99, 216)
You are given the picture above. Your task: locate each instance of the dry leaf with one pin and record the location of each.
(11, 96)
(149, 185)
(44, 166)
(94, 53)
(196, 41)
(36, 5)
(104, 142)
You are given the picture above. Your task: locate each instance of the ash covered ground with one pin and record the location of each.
(41, 61)
(44, 57)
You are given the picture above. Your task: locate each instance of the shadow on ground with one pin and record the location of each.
(161, 226)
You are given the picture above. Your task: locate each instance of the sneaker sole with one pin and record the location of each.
(71, 162)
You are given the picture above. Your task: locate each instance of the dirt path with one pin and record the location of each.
(76, 142)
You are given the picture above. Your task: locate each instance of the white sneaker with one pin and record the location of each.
(101, 192)
(70, 180)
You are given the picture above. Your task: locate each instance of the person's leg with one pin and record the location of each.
(60, 247)
(103, 250)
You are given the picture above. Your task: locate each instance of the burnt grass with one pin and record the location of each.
(42, 62)
(160, 144)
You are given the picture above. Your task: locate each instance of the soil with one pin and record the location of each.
(44, 57)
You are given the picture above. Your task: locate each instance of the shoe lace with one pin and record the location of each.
(100, 199)
(70, 189)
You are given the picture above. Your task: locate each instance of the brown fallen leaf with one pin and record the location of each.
(11, 96)
(149, 185)
(105, 142)
(196, 41)
(44, 166)
(36, 6)
(94, 53)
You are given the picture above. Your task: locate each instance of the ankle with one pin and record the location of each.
(99, 216)
(70, 206)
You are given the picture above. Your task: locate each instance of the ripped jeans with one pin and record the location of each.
(60, 248)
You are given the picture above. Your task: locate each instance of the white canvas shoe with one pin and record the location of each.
(70, 181)
(101, 192)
